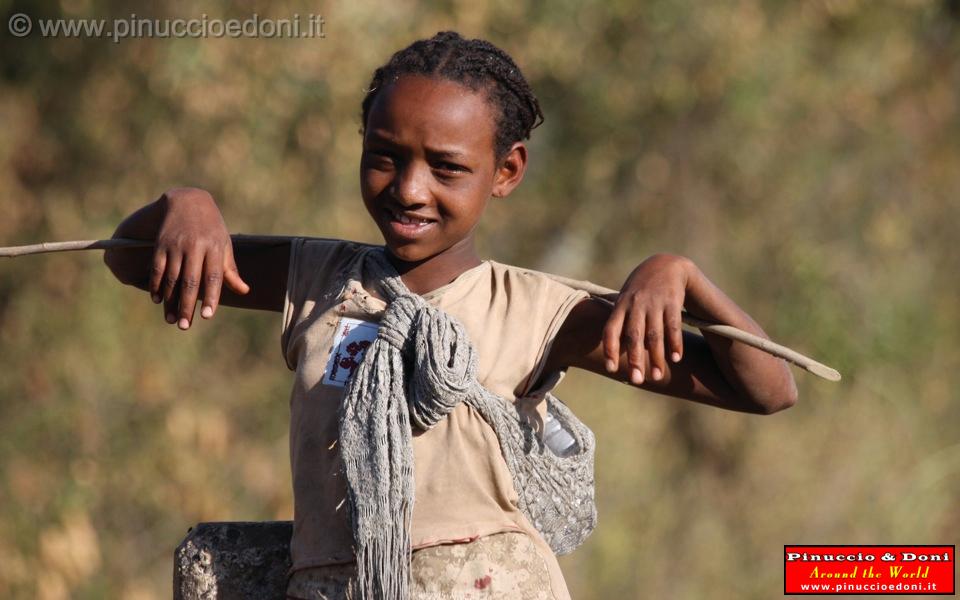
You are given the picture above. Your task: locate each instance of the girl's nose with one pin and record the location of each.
(411, 186)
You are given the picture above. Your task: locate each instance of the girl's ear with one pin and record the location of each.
(510, 170)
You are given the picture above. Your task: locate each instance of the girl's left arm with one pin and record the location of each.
(639, 340)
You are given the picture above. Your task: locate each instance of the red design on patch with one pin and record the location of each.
(482, 583)
(351, 341)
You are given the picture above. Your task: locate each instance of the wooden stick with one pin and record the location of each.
(726, 331)
(804, 362)
(45, 247)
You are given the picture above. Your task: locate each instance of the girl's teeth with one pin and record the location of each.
(407, 220)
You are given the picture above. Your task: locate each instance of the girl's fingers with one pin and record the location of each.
(212, 282)
(171, 275)
(611, 338)
(156, 274)
(189, 288)
(653, 340)
(674, 329)
(633, 338)
(231, 275)
(170, 306)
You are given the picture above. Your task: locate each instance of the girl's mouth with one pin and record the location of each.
(406, 227)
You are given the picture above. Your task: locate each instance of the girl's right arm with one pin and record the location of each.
(194, 256)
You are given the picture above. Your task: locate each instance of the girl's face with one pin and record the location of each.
(428, 165)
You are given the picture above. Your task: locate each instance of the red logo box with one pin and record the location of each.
(869, 570)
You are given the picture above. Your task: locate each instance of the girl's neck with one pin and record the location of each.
(428, 274)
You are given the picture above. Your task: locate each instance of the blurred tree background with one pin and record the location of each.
(805, 154)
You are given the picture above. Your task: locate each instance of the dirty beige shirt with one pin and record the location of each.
(463, 488)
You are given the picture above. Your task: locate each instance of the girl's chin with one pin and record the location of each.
(417, 250)
(407, 252)
(410, 252)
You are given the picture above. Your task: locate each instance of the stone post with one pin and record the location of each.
(233, 561)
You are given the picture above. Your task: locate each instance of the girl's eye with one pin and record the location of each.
(449, 168)
(377, 160)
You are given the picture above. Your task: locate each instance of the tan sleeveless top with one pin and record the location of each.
(463, 488)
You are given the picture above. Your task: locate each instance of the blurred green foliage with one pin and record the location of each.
(805, 154)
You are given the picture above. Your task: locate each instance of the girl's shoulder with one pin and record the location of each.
(324, 246)
(536, 284)
(319, 264)
(521, 297)
(313, 256)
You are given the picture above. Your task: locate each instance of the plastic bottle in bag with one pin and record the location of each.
(557, 438)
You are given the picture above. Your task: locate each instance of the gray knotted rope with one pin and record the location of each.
(419, 368)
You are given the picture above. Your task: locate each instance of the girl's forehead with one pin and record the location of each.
(428, 107)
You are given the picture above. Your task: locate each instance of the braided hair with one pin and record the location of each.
(477, 64)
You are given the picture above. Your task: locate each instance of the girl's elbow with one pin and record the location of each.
(781, 400)
(114, 260)
(775, 407)
(110, 259)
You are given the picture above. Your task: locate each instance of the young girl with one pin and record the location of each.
(443, 128)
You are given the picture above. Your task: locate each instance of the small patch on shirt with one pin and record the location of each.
(352, 339)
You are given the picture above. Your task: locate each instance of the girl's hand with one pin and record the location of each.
(193, 256)
(647, 316)
(645, 324)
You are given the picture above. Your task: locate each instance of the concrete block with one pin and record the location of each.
(233, 561)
